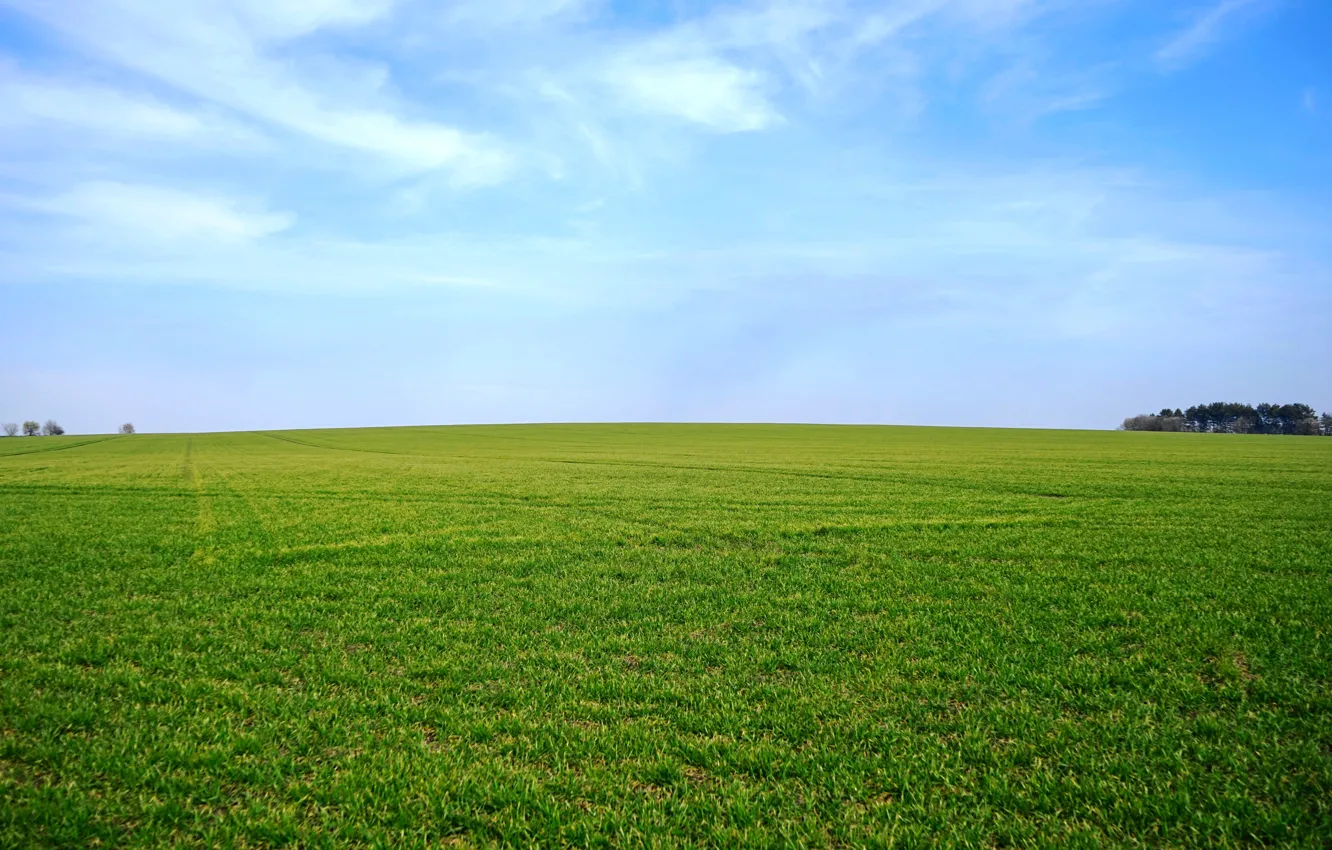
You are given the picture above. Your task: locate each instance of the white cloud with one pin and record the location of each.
(616, 92)
(1023, 93)
(727, 70)
(223, 52)
(722, 71)
(508, 13)
(775, 25)
(285, 19)
(155, 214)
(32, 101)
(1206, 30)
(704, 90)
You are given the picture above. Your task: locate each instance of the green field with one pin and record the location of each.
(653, 635)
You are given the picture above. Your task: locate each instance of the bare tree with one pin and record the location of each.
(1308, 427)
(31, 429)
(127, 428)
(1153, 422)
(52, 429)
(11, 428)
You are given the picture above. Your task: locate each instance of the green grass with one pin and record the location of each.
(665, 635)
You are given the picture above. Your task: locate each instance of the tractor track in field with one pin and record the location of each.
(5, 455)
(205, 522)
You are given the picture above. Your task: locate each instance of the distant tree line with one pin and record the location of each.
(50, 428)
(1229, 417)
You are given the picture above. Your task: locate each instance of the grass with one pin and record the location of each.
(739, 636)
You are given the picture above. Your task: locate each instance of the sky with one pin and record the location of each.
(243, 214)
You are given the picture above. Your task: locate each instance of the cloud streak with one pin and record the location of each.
(1206, 30)
(708, 92)
(227, 54)
(151, 214)
(34, 103)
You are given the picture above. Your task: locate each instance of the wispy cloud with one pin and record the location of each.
(29, 101)
(709, 92)
(500, 14)
(117, 211)
(227, 54)
(1022, 93)
(1211, 26)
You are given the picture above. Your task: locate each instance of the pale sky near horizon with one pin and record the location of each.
(246, 214)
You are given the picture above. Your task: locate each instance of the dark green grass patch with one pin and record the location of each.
(665, 635)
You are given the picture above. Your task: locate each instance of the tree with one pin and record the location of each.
(1172, 423)
(1303, 420)
(11, 428)
(31, 429)
(1233, 417)
(1267, 417)
(1307, 427)
(52, 429)
(1163, 421)
(127, 428)
(1141, 422)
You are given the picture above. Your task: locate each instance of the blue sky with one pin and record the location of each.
(299, 213)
